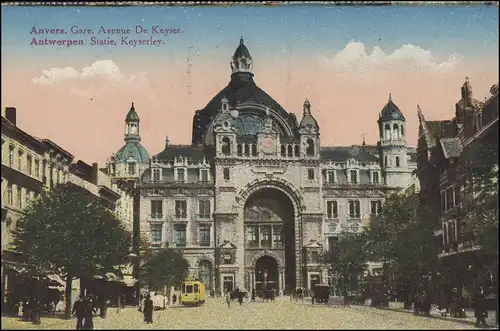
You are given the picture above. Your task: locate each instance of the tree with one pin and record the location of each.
(402, 237)
(68, 232)
(348, 257)
(164, 267)
(481, 205)
(482, 186)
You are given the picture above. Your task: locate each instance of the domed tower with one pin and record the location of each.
(242, 60)
(132, 159)
(309, 133)
(393, 148)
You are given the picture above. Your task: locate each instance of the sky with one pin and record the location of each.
(344, 60)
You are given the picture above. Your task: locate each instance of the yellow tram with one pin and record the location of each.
(192, 292)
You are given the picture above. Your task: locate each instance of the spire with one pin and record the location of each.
(364, 141)
(423, 126)
(241, 41)
(390, 97)
(132, 125)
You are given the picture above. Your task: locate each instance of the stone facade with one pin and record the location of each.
(256, 197)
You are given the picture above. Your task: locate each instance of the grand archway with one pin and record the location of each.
(266, 273)
(269, 220)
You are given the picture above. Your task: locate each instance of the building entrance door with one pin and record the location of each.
(228, 283)
(266, 273)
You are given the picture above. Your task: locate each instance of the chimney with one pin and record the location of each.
(10, 114)
(95, 173)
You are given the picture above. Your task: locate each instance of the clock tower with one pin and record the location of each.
(268, 138)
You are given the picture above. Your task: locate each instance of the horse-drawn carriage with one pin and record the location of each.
(321, 293)
(266, 294)
(297, 294)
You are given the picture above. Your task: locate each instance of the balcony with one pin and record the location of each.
(157, 216)
(204, 216)
(355, 217)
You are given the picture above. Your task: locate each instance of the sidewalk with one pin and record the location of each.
(468, 319)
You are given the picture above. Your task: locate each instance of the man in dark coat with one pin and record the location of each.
(89, 311)
(148, 309)
(480, 309)
(79, 311)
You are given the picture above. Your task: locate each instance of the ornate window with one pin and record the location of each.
(252, 236)
(332, 209)
(354, 209)
(226, 146)
(37, 168)
(330, 176)
(180, 208)
(226, 174)
(354, 176)
(131, 168)
(395, 131)
(376, 207)
(156, 175)
(156, 209)
(156, 233)
(204, 235)
(310, 174)
(265, 236)
(204, 209)
(387, 131)
(310, 147)
(375, 177)
(180, 235)
(181, 175)
(204, 175)
(29, 164)
(402, 131)
(20, 160)
(10, 196)
(397, 161)
(19, 197)
(278, 239)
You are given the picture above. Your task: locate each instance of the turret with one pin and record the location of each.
(309, 133)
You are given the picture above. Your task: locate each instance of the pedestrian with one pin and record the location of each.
(227, 296)
(148, 309)
(27, 310)
(20, 310)
(174, 298)
(89, 311)
(480, 309)
(79, 311)
(141, 297)
(253, 294)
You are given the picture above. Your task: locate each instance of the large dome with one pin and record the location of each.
(391, 112)
(240, 90)
(132, 150)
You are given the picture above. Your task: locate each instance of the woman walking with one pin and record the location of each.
(148, 309)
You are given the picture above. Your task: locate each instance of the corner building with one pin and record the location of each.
(256, 195)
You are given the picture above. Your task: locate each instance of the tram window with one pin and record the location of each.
(189, 289)
(196, 288)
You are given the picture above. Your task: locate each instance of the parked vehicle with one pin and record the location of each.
(321, 293)
(192, 293)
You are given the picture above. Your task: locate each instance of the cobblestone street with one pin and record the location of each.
(271, 315)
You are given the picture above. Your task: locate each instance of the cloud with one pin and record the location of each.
(355, 58)
(100, 77)
(106, 70)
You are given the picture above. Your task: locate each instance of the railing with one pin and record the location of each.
(157, 216)
(180, 216)
(204, 216)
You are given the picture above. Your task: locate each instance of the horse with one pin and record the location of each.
(297, 294)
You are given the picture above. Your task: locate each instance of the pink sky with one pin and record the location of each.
(83, 110)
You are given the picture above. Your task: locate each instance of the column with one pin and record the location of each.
(282, 283)
(371, 176)
(271, 236)
(253, 279)
(240, 251)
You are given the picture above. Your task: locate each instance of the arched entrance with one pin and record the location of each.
(269, 218)
(266, 273)
(205, 274)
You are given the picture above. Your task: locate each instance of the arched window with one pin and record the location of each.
(385, 161)
(226, 146)
(247, 150)
(397, 161)
(254, 150)
(290, 150)
(283, 150)
(239, 150)
(310, 147)
(402, 130)
(395, 131)
(297, 150)
(387, 131)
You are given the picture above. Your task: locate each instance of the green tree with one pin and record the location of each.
(401, 236)
(164, 267)
(481, 202)
(69, 232)
(348, 257)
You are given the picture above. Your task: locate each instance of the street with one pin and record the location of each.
(280, 314)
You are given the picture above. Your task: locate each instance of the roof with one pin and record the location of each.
(242, 50)
(132, 149)
(452, 147)
(132, 115)
(191, 152)
(345, 153)
(391, 112)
